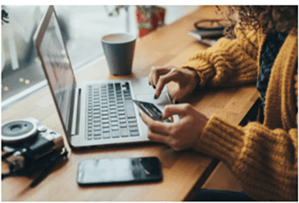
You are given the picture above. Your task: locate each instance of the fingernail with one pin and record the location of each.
(155, 97)
(154, 86)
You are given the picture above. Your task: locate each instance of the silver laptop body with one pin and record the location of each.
(72, 99)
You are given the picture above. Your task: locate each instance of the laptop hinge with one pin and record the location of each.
(76, 114)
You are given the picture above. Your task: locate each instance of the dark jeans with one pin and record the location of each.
(221, 195)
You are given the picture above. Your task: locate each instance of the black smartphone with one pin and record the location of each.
(119, 170)
(151, 110)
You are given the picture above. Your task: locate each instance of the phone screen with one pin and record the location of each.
(119, 170)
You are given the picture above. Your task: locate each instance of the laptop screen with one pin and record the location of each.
(57, 67)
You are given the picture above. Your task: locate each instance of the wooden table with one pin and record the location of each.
(183, 172)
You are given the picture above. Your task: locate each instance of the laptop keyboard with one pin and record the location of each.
(111, 111)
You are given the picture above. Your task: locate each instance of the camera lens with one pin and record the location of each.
(18, 130)
(16, 127)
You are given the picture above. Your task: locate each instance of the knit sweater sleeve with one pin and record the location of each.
(263, 159)
(228, 62)
(246, 149)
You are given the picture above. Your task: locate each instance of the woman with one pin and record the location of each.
(262, 155)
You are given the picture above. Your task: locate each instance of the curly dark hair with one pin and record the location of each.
(269, 18)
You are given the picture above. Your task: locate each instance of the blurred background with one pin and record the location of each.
(82, 28)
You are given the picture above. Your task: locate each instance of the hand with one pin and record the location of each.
(179, 135)
(186, 78)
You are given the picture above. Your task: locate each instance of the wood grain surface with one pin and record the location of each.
(183, 172)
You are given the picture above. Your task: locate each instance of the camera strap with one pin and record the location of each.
(43, 164)
(47, 167)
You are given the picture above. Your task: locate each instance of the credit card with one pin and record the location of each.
(151, 110)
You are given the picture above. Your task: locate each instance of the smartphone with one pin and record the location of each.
(119, 170)
(151, 110)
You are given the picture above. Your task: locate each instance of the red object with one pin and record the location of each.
(149, 18)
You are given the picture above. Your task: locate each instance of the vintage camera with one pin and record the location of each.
(27, 145)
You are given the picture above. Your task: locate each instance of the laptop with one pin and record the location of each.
(93, 113)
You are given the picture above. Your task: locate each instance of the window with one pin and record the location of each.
(82, 28)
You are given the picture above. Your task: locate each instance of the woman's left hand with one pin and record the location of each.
(179, 135)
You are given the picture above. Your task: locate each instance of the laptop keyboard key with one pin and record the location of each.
(129, 109)
(106, 135)
(133, 129)
(124, 132)
(134, 133)
(110, 111)
(115, 134)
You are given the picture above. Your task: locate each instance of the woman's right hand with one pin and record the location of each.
(186, 78)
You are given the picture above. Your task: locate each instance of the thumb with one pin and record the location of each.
(170, 110)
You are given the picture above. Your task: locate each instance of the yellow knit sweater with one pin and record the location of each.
(263, 157)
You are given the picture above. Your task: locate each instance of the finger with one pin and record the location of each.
(150, 76)
(156, 72)
(177, 109)
(153, 75)
(163, 80)
(155, 126)
(156, 137)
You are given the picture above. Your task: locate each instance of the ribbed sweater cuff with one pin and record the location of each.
(206, 71)
(221, 140)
